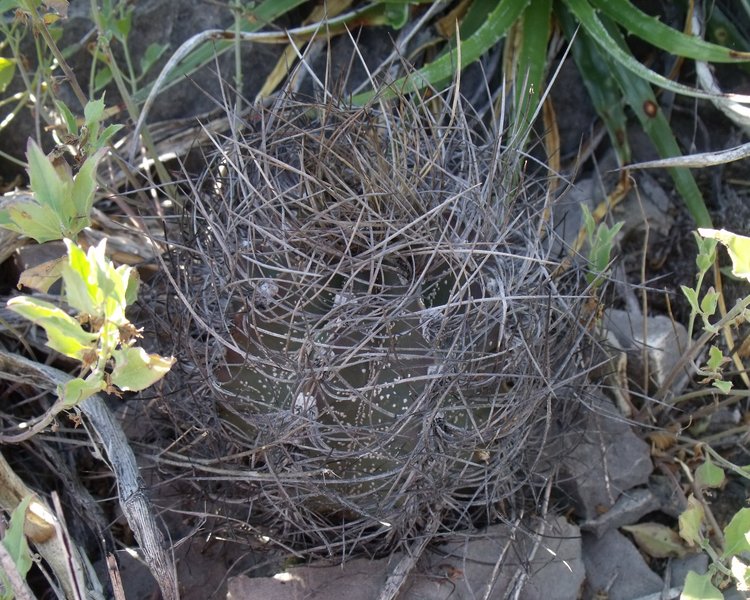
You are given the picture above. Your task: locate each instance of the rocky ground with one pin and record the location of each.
(614, 473)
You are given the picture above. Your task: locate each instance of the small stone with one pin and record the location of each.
(615, 568)
(630, 507)
(603, 459)
(664, 344)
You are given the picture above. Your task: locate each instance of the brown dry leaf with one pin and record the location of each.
(662, 440)
(42, 276)
(446, 26)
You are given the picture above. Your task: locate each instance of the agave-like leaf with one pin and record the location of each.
(594, 26)
(651, 29)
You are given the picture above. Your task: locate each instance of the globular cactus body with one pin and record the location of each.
(395, 340)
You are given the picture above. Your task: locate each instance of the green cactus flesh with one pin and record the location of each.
(356, 372)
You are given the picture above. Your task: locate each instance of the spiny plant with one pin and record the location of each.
(386, 342)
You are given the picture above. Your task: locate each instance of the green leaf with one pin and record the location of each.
(396, 14)
(80, 284)
(737, 534)
(715, 359)
(691, 522)
(590, 22)
(93, 112)
(94, 286)
(7, 71)
(64, 333)
(706, 253)
(657, 540)
(122, 26)
(77, 390)
(45, 181)
(6, 5)
(27, 217)
(699, 587)
(151, 55)
(639, 95)
(84, 186)
(532, 62)
(738, 247)
(491, 31)
(709, 475)
(709, 302)
(136, 370)
(692, 298)
(600, 82)
(662, 36)
(105, 136)
(102, 78)
(723, 386)
(131, 290)
(70, 121)
(14, 539)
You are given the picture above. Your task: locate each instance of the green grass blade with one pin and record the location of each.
(652, 30)
(720, 29)
(489, 33)
(640, 97)
(532, 60)
(591, 23)
(474, 17)
(602, 86)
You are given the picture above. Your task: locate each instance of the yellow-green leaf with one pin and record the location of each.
(699, 587)
(738, 247)
(709, 475)
(136, 370)
(77, 390)
(657, 540)
(29, 218)
(14, 539)
(7, 71)
(81, 291)
(45, 180)
(64, 333)
(691, 521)
(737, 534)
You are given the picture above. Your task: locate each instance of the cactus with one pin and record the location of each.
(394, 340)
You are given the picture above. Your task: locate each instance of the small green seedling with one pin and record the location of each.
(62, 202)
(90, 138)
(730, 562)
(100, 293)
(600, 240)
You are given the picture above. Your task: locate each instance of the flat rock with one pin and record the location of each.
(630, 506)
(465, 569)
(602, 459)
(615, 569)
